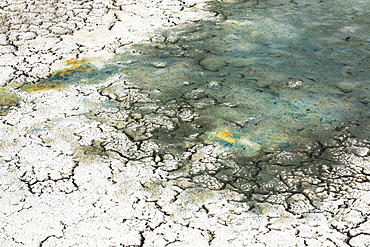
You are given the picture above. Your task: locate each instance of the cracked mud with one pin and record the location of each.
(184, 123)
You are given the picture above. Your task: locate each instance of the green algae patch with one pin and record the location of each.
(76, 71)
(8, 99)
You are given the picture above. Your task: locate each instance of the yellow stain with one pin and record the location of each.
(68, 71)
(77, 65)
(225, 135)
(75, 61)
(42, 86)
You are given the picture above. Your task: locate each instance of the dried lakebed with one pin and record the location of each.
(250, 128)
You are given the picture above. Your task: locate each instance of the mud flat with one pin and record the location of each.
(184, 123)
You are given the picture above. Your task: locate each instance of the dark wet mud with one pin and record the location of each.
(282, 86)
(267, 75)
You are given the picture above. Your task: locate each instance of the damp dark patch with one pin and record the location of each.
(262, 73)
(277, 85)
(281, 91)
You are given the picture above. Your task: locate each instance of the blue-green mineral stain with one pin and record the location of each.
(253, 60)
(247, 144)
(78, 71)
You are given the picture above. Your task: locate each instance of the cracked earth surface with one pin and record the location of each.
(177, 123)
